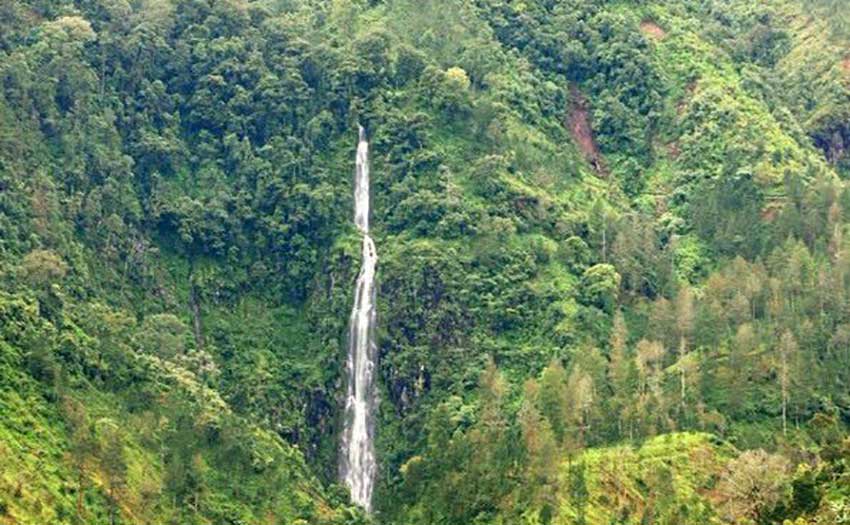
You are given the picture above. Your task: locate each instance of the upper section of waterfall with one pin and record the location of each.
(361, 184)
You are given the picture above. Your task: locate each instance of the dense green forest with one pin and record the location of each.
(614, 274)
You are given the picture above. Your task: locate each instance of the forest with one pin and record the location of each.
(613, 277)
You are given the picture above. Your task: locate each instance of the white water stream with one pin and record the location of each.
(357, 464)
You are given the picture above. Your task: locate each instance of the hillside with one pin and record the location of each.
(613, 280)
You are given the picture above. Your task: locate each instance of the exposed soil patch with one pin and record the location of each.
(845, 65)
(578, 122)
(652, 30)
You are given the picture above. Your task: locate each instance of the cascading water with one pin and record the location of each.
(357, 464)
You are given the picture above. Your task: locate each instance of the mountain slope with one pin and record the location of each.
(598, 223)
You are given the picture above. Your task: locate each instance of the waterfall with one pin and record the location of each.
(357, 462)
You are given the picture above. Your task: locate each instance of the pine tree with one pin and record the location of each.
(787, 354)
(553, 398)
(580, 396)
(83, 446)
(684, 328)
(114, 465)
(651, 404)
(619, 374)
(541, 449)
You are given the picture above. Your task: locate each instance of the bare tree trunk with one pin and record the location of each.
(784, 414)
(784, 386)
(80, 488)
(682, 351)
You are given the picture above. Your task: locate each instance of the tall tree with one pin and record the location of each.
(114, 465)
(553, 398)
(83, 447)
(541, 450)
(651, 403)
(580, 395)
(619, 373)
(787, 355)
(684, 329)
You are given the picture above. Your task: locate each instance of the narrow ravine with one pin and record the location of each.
(357, 462)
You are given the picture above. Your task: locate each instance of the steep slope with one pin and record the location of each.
(77, 449)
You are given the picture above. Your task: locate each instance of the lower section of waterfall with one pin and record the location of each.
(358, 467)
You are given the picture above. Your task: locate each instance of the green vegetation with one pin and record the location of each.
(614, 273)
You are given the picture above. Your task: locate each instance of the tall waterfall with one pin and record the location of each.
(357, 462)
